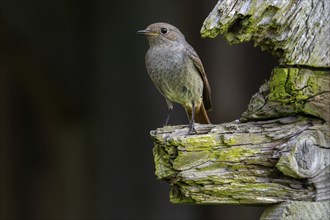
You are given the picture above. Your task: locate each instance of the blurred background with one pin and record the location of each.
(77, 106)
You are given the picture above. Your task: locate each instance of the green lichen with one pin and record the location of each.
(240, 30)
(238, 190)
(189, 156)
(229, 141)
(195, 142)
(213, 166)
(277, 85)
(234, 154)
(291, 91)
(185, 160)
(162, 160)
(233, 193)
(177, 196)
(318, 82)
(288, 165)
(238, 166)
(292, 87)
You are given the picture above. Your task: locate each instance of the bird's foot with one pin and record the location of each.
(192, 129)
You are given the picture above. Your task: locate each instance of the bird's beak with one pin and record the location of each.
(147, 32)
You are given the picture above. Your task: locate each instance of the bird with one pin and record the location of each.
(177, 72)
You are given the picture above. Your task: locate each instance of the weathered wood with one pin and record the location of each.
(279, 151)
(292, 91)
(298, 210)
(296, 31)
(246, 163)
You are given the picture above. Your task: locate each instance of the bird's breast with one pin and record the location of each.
(167, 60)
(174, 74)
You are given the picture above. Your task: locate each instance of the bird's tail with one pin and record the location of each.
(200, 115)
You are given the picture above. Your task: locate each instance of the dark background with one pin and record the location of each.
(77, 107)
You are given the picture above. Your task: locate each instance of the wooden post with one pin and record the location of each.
(278, 153)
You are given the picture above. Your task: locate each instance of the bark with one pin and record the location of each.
(262, 162)
(298, 210)
(297, 31)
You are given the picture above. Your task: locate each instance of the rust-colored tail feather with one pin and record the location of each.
(200, 115)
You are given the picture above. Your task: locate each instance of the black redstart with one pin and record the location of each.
(178, 73)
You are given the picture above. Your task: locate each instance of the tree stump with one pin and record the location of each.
(279, 151)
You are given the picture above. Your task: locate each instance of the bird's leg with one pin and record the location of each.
(192, 121)
(168, 116)
(170, 108)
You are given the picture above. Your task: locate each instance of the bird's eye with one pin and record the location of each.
(163, 30)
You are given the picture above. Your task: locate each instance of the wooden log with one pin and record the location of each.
(298, 210)
(292, 91)
(296, 31)
(245, 163)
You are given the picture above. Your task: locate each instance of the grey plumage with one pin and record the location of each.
(176, 70)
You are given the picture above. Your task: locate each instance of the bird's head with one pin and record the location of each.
(158, 33)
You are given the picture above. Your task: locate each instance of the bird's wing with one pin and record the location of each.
(199, 66)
